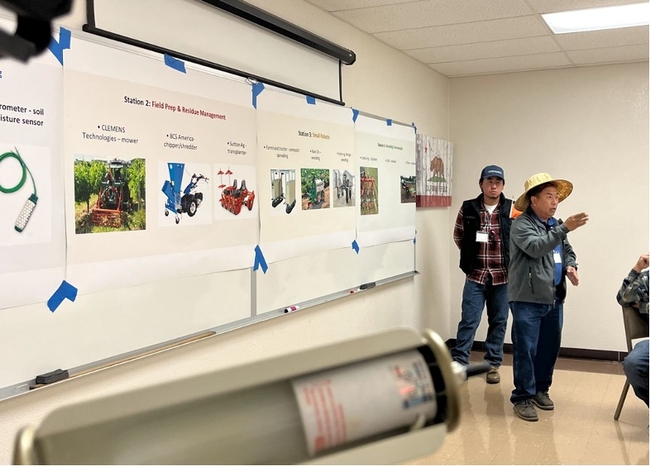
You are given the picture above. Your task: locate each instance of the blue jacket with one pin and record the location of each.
(532, 268)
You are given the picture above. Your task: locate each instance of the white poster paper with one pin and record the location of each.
(32, 235)
(386, 155)
(307, 181)
(163, 165)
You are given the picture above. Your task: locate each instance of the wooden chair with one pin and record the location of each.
(636, 328)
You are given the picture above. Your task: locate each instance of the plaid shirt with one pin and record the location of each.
(489, 260)
(634, 291)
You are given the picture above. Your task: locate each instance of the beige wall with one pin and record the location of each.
(382, 82)
(588, 125)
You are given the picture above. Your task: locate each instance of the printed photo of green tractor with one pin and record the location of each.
(315, 188)
(109, 195)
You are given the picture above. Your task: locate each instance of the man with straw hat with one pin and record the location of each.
(541, 259)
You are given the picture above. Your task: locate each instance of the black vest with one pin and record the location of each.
(472, 224)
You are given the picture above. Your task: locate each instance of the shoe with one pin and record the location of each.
(542, 401)
(493, 375)
(526, 411)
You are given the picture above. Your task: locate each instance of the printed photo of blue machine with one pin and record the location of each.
(186, 201)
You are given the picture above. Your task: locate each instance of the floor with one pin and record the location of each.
(581, 429)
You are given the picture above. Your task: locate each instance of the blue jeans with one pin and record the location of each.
(635, 366)
(536, 336)
(475, 297)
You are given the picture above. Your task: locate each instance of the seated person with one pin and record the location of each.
(634, 292)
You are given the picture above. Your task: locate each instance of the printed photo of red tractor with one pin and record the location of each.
(109, 195)
(234, 196)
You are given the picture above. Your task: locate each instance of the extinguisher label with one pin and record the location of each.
(363, 399)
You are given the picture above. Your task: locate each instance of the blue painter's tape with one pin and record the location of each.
(257, 90)
(56, 50)
(355, 115)
(311, 100)
(175, 63)
(355, 246)
(64, 38)
(259, 260)
(389, 122)
(57, 47)
(65, 290)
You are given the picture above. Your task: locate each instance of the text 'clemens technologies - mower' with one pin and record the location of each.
(190, 200)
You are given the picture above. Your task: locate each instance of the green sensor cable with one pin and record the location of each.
(30, 204)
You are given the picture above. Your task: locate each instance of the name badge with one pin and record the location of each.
(481, 237)
(557, 257)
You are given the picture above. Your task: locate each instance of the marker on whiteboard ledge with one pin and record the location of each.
(52, 377)
(367, 286)
(291, 309)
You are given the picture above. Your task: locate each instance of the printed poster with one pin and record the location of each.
(308, 176)
(163, 165)
(32, 235)
(386, 153)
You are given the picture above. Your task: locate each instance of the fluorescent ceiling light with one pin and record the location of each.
(594, 19)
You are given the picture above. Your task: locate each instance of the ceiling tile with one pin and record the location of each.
(606, 38)
(609, 55)
(465, 37)
(431, 13)
(552, 6)
(496, 49)
(338, 5)
(499, 29)
(501, 65)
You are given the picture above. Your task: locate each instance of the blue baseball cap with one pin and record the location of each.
(492, 170)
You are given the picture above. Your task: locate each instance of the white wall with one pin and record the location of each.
(383, 82)
(588, 125)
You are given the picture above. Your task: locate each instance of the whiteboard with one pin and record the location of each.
(116, 322)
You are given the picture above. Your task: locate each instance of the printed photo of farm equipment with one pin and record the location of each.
(283, 189)
(233, 198)
(187, 201)
(315, 188)
(115, 189)
(114, 197)
(369, 191)
(344, 185)
(407, 184)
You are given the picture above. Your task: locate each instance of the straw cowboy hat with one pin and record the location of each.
(564, 188)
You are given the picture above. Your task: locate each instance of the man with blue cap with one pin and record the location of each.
(482, 233)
